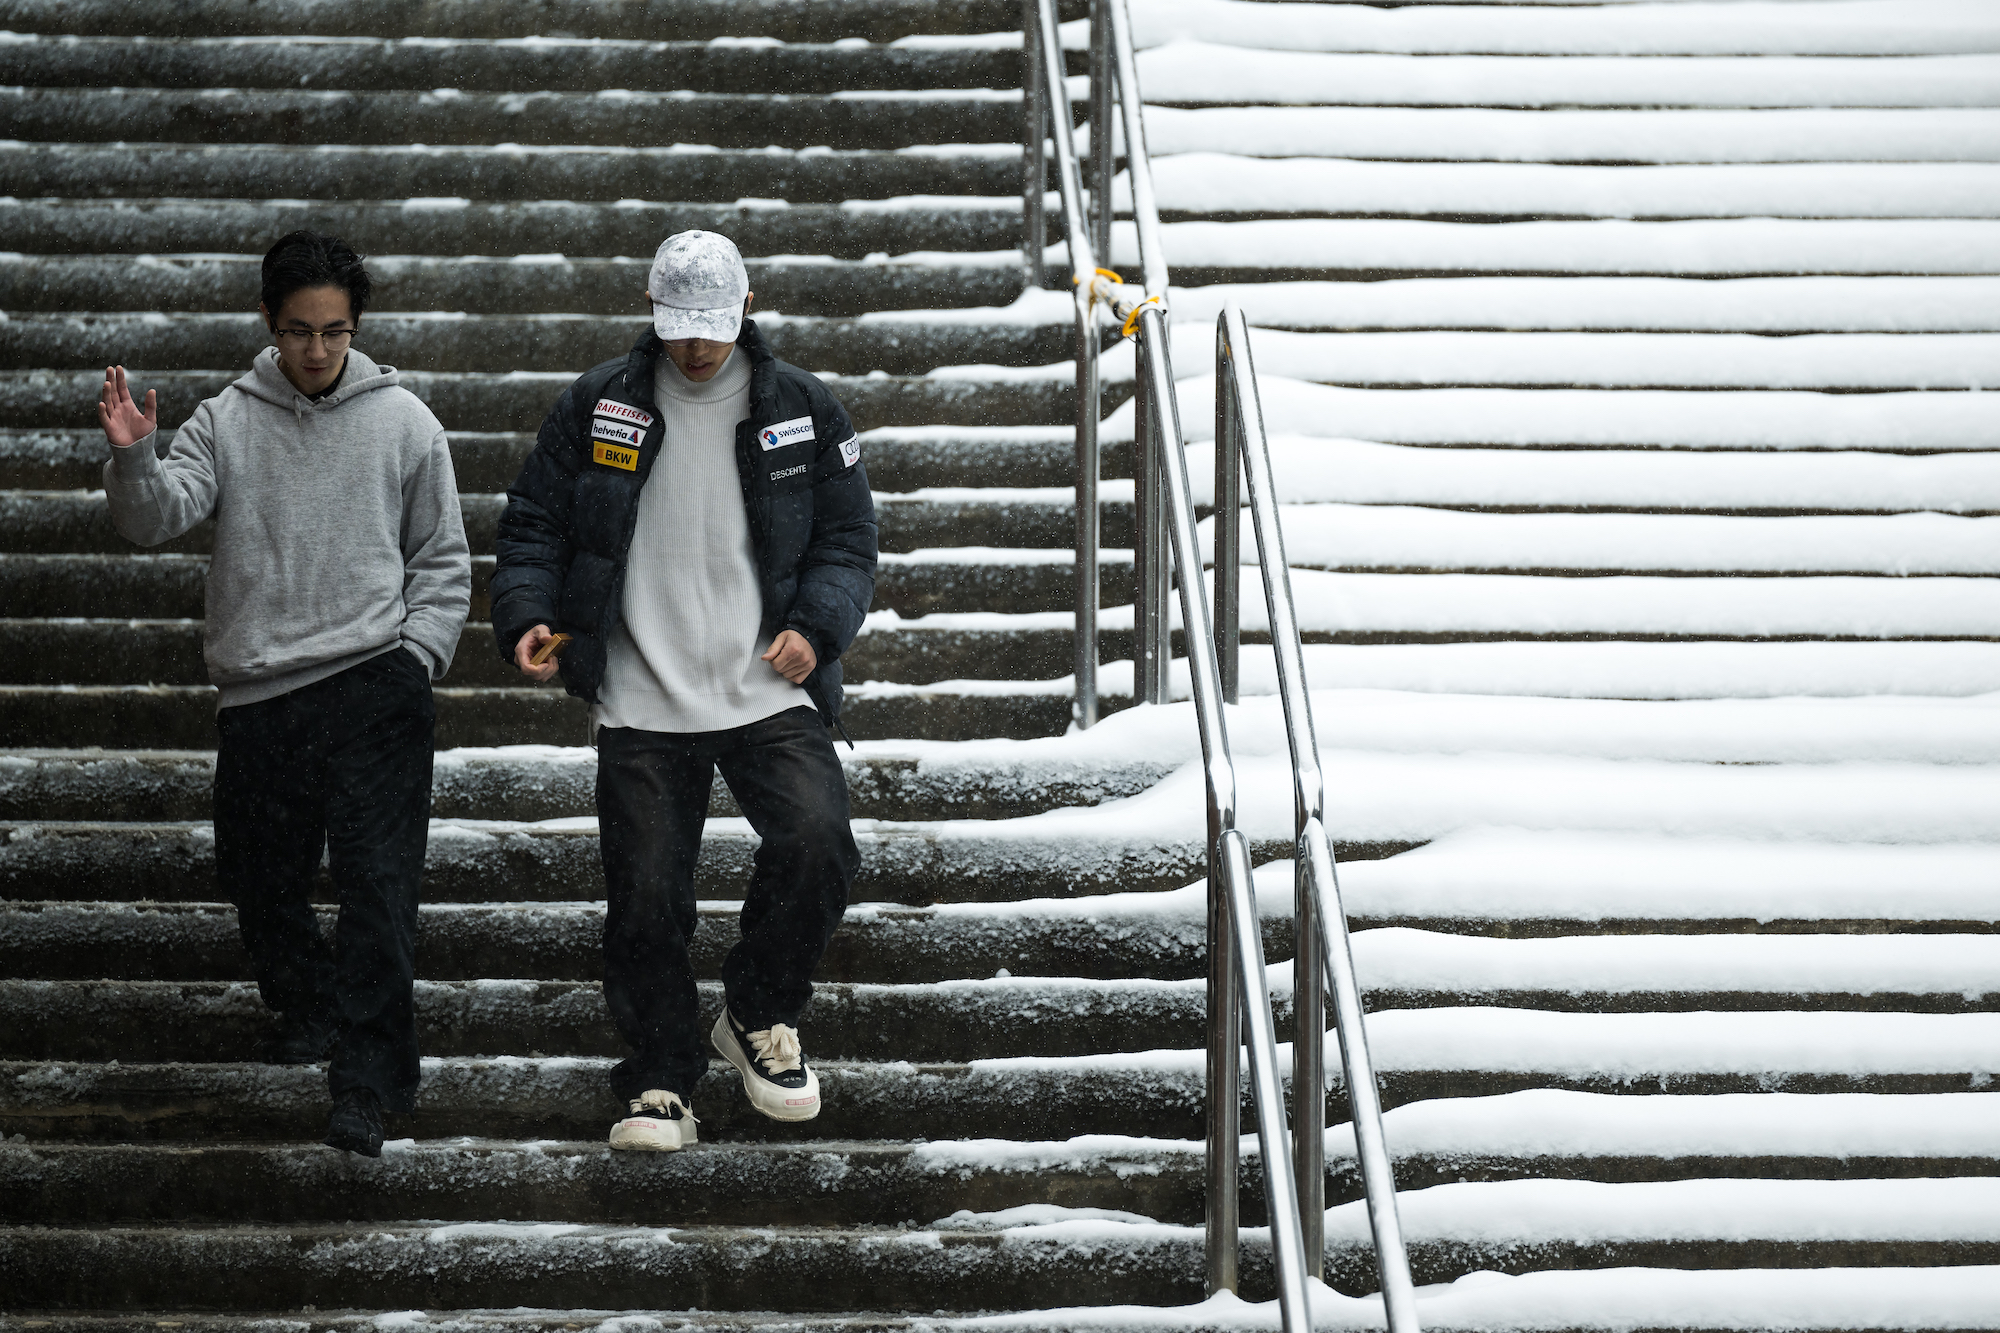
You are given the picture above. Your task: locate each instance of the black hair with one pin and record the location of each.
(309, 259)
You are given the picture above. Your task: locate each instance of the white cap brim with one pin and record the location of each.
(720, 325)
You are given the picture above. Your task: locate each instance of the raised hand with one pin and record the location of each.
(124, 424)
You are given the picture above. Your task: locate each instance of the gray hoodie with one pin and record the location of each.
(337, 527)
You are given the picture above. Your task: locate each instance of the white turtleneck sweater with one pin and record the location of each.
(685, 655)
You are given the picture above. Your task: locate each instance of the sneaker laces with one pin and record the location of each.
(778, 1048)
(661, 1103)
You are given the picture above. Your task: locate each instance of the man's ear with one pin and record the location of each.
(748, 297)
(269, 322)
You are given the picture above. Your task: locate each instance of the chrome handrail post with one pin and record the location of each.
(1228, 543)
(1138, 166)
(1321, 908)
(1089, 528)
(1103, 149)
(1229, 876)
(1034, 164)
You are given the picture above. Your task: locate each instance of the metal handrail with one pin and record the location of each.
(1323, 952)
(1239, 992)
(1046, 98)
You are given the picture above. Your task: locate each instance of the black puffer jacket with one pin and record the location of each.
(570, 514)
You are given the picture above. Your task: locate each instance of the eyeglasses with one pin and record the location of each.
(298, 339)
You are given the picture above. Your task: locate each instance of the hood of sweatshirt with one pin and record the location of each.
(265, 381)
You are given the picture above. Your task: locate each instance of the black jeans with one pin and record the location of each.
(341, 766)
(652, 800)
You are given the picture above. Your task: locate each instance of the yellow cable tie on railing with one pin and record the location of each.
(1096, 287)
(1132, 320)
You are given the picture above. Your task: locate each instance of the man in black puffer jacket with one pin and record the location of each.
(696, 519)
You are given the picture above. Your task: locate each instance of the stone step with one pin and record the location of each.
(564, 942)
(519, 401)
(989, 1263)
(980, 579)
(791, 1184)
(476, 66)
(568, 1098)
(337, 171)
(920, 780)
(543, 118)
(486, 463)
(168, 652)
(1399, 968)
(1157, 1095)
(231, 232)
(504, 1264)
(454, 344)
(183, 716)
(164, 1021)
(817, 1183)
(954, 518)
(467, 20)
(479, 861)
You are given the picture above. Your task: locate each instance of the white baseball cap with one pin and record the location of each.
(698, 284)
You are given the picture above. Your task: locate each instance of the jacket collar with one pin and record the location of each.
(646, 353)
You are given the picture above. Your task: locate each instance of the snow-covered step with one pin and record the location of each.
(451, 226)
(1939, 731)
(1810, 27)
(1347, 606)
(1404, 968)
(1524, 1225)
(1035, 1255)
(912, 582)
(815, 1182)
(895, 344)
(1407, 539)
(1627, 669)
(1513, 882)
(545, 283)
(1225, 183)
(183, 716)
(1591, 1136)
(717, 1268)
(886, 780)
(1633, 360)
(1606, 418)
(1191, 72)
(1104, 936)
(1312, 470)
(497, 173)
(1665, 305)
(726, 23)
(557, 860)
(488, 65)
(1282, 249)
(880, 120)
(519, 400)
(937, 1021)
(566, 1097)
(1438, 134)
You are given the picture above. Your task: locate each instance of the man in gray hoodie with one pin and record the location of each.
(339, 583)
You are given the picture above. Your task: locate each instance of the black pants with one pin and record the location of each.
(342, 766)
(652, 800)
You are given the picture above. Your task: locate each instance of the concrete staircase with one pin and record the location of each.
(1620, 362)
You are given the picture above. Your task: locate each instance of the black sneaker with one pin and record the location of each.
(357, 1123)
(298, 1040)
(660, 1122)
(775, 1074)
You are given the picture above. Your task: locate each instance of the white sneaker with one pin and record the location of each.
(775, 1074)
(660, 1122)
